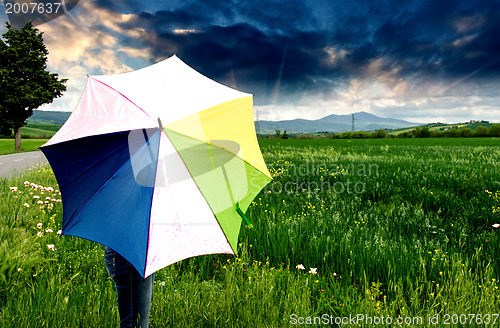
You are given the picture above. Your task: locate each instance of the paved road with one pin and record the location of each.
(12, 164)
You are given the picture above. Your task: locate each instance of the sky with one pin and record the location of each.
(422, 61)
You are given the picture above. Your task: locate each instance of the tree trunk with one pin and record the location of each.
(17, 137)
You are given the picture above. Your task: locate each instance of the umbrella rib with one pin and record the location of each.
(67, 226)
(82, 172)
(217, 146)
(154, 185)
(133, 103)
(198, 187)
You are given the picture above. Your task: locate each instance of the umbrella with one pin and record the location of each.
(159, 164)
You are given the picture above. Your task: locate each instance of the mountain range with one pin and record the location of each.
(333, 123)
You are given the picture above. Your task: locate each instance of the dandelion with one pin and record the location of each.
(496, 225)
(300, 267)
(13, 189)
(51, 247)
(39, 225)
(313, 270)
(39, 234)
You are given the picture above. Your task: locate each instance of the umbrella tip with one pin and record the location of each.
(160, 126)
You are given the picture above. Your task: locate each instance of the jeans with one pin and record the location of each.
(133, 292)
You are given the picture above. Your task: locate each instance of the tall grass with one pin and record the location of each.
(410, 235)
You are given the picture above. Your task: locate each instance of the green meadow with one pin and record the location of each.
(7, 145)
(350, 233)
(39, 130)
(33, 135)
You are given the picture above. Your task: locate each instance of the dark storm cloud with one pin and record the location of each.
(239, 54)
(260, 45)
(441, 38)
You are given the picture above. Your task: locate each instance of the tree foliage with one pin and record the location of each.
(25, 83)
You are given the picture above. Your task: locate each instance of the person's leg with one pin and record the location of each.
(142, 290)
(133, 292)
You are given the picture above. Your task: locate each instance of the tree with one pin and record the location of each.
(285, 135)
(422, 132)
(25, 84)
(5, 130)
(481, 131)
(465, 132)
(494, 130)
(380, 133)
(278, 134)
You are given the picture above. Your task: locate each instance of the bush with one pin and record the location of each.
(380, 133)
(360, 135)
(494, 131)
(422, 132)
(481, 131)
(465, 132)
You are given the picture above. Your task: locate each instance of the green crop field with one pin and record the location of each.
(40, 130)
(349, 233)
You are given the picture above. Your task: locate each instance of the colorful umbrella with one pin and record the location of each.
(159, 164)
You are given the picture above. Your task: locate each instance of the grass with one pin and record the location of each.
(400, 228)
(7, 145)
(35, 133)
(33, 136)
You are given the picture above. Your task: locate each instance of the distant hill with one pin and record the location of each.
(331, 123)
(43, 116)
(334, 123)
